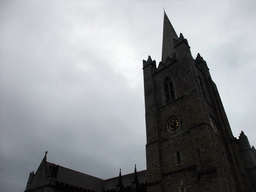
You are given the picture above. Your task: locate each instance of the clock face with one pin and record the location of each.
(173, 124)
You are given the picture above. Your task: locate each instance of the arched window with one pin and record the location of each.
(169, 90)
(178, 157)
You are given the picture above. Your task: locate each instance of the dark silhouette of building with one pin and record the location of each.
(190, 145)
(54, 178)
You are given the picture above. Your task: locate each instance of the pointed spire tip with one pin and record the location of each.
(168, 35)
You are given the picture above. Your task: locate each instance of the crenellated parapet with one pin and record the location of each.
(200, 62)
(248, 155)
(247, 152)
(180, 40)
(243, 142)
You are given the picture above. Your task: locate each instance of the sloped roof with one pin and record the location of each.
(62, 176)
(75, 178)
(126, 180)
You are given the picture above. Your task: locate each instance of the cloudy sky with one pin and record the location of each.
(71, 77)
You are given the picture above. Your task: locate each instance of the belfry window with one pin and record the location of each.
(169, 90)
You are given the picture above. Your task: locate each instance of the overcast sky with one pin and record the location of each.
(71, 77)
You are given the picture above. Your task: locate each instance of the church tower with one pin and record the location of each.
(190, 146)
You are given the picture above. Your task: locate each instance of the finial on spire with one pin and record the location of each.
(135, 169)
(149, 59)
(181, 36)
(120, 174)
(46, 153)
(136, 180)
(120, 183)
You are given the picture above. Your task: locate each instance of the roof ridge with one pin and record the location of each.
(76, 171)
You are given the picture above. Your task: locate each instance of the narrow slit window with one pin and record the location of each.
(178, 157)
(169, 90)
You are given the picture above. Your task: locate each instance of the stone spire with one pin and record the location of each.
(120, 183)
(168, 35)
(135, 182)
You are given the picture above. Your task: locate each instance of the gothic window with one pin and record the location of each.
(169, 90)
(178, 157)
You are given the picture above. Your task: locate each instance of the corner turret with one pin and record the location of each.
(248, 156)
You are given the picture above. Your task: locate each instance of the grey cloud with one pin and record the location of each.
(64, 88)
